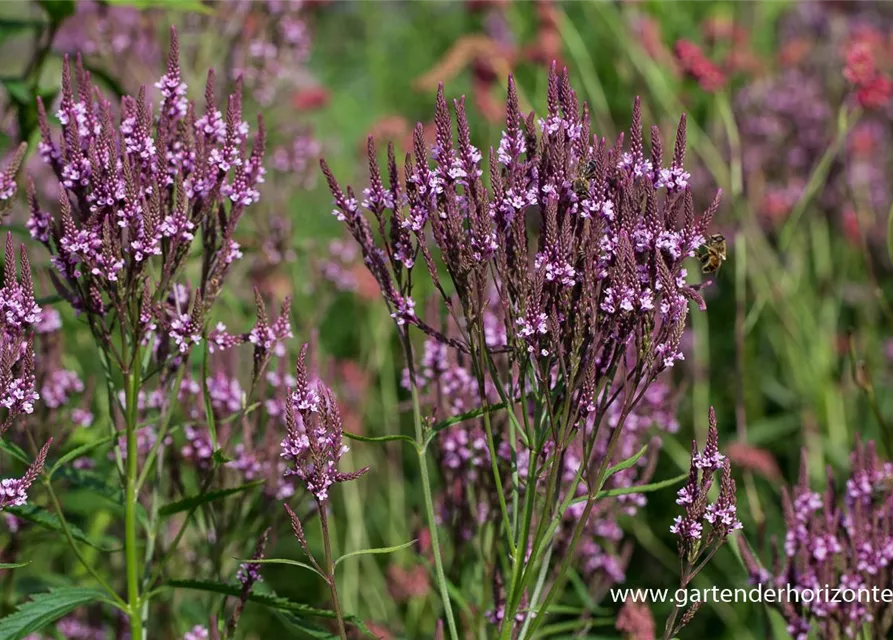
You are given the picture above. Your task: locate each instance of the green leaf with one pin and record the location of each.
(219, 458)
(191, 6)
(95, 483)
(15, 451)
(190, 502)
(645, 488)
(11, 27)
(468, 415)
(306, 628)
(57, 10)
(364, 552)
(359, 438)
(14, 565)
(272, 601)
(53, 299)
(44, 609)
(293, 563)
(77, 452)
(18, 90)
(47, 520)
(626, 464)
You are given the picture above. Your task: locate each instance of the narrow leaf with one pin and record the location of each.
(266, 600)
(626, 464)
(95, 483)
(77, 452)
(47, 520)
(15, 451)
(364, 552)
(191, 502)
(468, 415)
(645, 488)
(305, 627)
(354, 436)
(293, 563)
(44, 609)
(14, 565)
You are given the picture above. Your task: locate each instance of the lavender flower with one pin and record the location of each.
(591, 304)
(198, 632)
(841, 539)
(704, 526)
(720, 515)
(14, 491)
(313, 445)
(140, 192)
(8, 185)
(19, 314)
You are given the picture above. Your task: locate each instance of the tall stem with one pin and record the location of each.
(429, 513)
(421, 449)
(132, 387)
(330, 570)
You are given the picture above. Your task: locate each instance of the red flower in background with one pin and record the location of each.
(873, 87)
(698, 66)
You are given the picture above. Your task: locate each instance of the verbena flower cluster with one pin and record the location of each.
(836, 538)
(19, 314)
(721, 515)
(695, 542)
(140, 193)
(313, 444)
(566, 282)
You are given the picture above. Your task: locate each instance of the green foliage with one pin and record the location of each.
(192, 502)
(44, 609)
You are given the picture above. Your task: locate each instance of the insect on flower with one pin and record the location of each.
(712, 253)
(581, 181)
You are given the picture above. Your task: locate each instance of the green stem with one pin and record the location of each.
(429, 513)
(132, 386)
(330, 570)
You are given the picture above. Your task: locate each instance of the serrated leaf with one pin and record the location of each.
(376, 551)
(47, 520)
(272, 601)
(95, 483)
(14, 565)
(191, 502)
(44, 609)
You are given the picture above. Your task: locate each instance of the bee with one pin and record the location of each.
(581, 182)
(713, 253)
